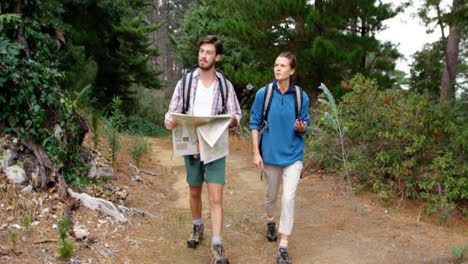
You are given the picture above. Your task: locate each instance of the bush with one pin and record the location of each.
(136, 125)
(32, 100)
(399, 144)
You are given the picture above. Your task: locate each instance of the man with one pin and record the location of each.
(206, 99)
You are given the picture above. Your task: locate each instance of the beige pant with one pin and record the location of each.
(291, 175)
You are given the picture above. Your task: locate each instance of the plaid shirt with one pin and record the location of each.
(232, 104)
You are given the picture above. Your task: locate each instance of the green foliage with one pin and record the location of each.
(426, 70)
(27, 220)
(135, 125)
(399, 144)
(80, 74)
(330, 41)
(32, 100)
(460, 252)
(66, 249)
(116, 38)
(113, 124)
(138, 148)
(13, 236)
(333, 121)
(95, 117)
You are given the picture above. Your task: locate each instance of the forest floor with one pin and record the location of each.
(331, 226)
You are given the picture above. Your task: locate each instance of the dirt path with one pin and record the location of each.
(330, 227)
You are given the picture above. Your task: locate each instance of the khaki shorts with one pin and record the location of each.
(197, 171)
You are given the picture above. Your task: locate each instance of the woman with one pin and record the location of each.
(280, 152)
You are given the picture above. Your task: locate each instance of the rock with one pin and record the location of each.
(6, 157)
(106, 252)
(16, 174)
(80, 232)
(105, 171)
(137, 178)
(27, 189)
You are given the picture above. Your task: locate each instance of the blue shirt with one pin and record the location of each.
(281, 144)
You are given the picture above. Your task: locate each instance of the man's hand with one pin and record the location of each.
(170, 124)
(300, 126)
(233, 122)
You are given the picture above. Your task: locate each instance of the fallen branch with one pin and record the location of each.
(134, 210)
(144, 171)
(99, 205)
(45, 240)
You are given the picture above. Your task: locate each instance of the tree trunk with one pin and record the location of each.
(447, 89)
(21, 40)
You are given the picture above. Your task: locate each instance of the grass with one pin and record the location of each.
(66, 249)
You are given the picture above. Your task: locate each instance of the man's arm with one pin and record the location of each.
(233, 106)
(175, 106)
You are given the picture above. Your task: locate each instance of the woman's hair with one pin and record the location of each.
(291, 57)
(212, 39)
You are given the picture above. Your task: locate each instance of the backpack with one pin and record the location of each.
(187, 85)
(267, 103)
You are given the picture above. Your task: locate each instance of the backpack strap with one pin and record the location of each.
(186, 86)
(223, 89)
(298, 100)
(267, 103)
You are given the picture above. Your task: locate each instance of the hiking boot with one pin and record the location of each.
(217, 255)
(271, 232)
(282, 256)
(195, 236)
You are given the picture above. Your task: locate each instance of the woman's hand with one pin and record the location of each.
(300, 126)
(258, 161)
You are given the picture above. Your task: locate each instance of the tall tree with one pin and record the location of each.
(332, 39)
(457, 21)
(115, 35)
(170, 14)
(426, 70)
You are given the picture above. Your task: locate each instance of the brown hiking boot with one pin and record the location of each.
(196, 236)
(217, 255)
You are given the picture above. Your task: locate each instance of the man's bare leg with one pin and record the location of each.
(215, 192)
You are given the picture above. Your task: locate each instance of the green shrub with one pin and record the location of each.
(135, 125)
(113, 124)
(32, 100)
(399, 144)
(152, 104)
(63, 226)
(138, 148)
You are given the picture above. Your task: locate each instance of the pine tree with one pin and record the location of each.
(331, 39)
(115, 35)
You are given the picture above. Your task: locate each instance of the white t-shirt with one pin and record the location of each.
(203, 99)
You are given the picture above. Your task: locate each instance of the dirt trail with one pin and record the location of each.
(330, 226)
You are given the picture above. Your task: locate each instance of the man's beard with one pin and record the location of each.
(206, 66)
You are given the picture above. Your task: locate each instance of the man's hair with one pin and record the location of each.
(291, 57)
(212, 39)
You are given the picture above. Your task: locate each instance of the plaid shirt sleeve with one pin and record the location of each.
(232, 104)
(176, 104)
